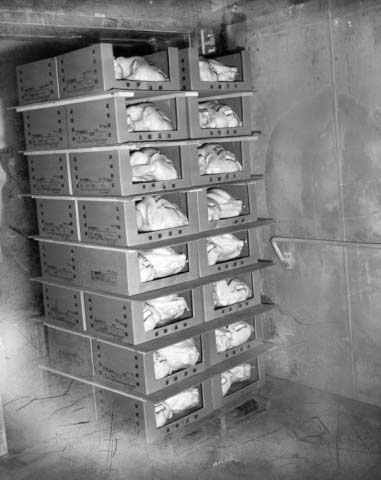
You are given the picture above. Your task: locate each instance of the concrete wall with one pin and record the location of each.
(316, 70)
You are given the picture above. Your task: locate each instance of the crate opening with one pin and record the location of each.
(152, 165)
(239, 377)
(223, 159)
(179, 407)
(137, 64)
(231, 60)
(185, 301)
(156, 116)
(232, 336)
(240, 287)
(227, 115)
(233, 248)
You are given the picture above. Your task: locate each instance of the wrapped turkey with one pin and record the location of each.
(160, 311)
(157, 213)
(232, 335)
(222, 248)
(150, 165)
(160, 262)
(213, 114)
(180, 355)
(137, 68)
(214, 210)
(228, 205)
(213, 158)
(215, 71)
(230, 291)
(179, 403)
(161, 366)
(240, 373)
(162, 413)
(145, 116)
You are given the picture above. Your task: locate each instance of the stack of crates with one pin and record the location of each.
(78, 148)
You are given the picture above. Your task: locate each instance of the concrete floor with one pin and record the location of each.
(302, 434)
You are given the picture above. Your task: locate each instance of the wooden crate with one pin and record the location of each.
(117, 271)
(240, 191)
(113, 222)
(239, 391)
(45, 129)
(104, 121)
(239, 102)
(122, 321)
(241, 149)
(137, 416)
(256, 338)
(64, 307)
(131, 369)
(60, 262)
(252, 279)
(49, 174)
(248, 256)
(37, 81)
(58, 219)
(190, 72)
(109, 172)
(91, 69)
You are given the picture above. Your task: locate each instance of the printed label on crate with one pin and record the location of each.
(108, 276)
(41, 93)
(127, 379)
(106, 329)
(66, 316)
(61, 230)
(49, 186)
(69, 357)
(97, 135)
(85, 83)
(50, 139)
(94, 233)
(66, 273)
(103, 185)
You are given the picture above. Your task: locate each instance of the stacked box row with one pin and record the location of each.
(110, 172)
(119, 222)
(148, 369)
(135, 321)
(119, 119)
(93, 69)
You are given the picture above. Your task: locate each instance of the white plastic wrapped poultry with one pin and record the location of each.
(232, 335)
(215, 71)
(160, 262)
(157, 213)
(240, 373)
(149, 165)
(230, 291)
(160, 311)
(213, 158)
(181, 355)
(137, 68)
(145, 116)
(221, 248)
(220, 200)
(179, 403)
(213, 114)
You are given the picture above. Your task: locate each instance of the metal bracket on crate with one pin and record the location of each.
(288, 260)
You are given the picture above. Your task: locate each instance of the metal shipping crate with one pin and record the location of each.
(37, 81)
(91, 69)
(252, 280)
(104, 121)
(132, 371)
(60, 262)
(58, 219)
(122, 321)
(245, 192)
(190, 71)
(64, 307)
(216, 355)
(109, 172)
(240, 103)
(113, 222)
(49, 174)
(117, 270)
(241, 390)
(138, 417)
(241, 150)
(249, 254)
(45, 129)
